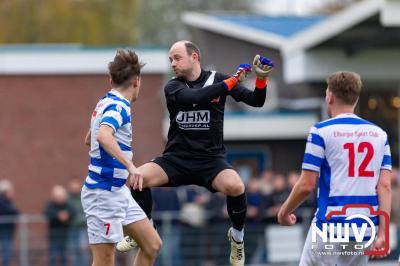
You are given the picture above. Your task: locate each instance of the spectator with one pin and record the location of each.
(194, 224)
(59, 215)
(274, 201)
(266, 186)
(255, 240)
(216, 207)
(219, 219)
(194, 200)
(305, 211)
(78, 238)
(309, 203)
(395, 213)
(7, 229)
(293, 176)
(253, 200)
(166, 200)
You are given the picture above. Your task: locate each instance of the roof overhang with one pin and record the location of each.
(390, 13)
(43, 60)
(210, 23)
(332, 26)
(310, 37)
(300, 62)
(315, 65)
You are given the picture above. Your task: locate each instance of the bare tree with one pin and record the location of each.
(92, 22)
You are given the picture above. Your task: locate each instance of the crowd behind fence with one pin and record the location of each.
(202, 245)
(191, 221)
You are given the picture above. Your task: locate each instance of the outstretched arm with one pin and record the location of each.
(254, 98)
(186, 95)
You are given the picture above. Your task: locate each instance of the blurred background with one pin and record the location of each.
(53, 70)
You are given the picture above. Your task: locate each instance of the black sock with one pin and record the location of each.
(237, 207)
(144, 199)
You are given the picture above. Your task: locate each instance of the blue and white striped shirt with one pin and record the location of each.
(348, 153)
(106, 172)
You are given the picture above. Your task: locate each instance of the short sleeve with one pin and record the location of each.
(315, 151)
(387, 157)
(114, 116)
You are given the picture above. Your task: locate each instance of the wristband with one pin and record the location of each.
(261, 84)
(230, 83)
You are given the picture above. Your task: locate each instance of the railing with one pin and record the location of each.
(22, 234)
(184, 244)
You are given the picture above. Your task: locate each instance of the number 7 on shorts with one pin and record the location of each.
(107, 228)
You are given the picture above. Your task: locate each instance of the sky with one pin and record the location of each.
(291, 7)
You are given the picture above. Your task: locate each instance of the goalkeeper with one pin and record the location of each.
(194, 153)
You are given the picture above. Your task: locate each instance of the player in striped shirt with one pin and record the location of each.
(109, 208)
(350, 158)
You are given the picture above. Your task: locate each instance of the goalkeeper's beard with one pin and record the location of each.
(183, 73)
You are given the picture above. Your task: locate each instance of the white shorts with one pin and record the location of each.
(107, 211)
(315, 254)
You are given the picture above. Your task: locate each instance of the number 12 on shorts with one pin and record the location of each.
(362, 172)
(107, 228)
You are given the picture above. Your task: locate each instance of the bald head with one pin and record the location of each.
(58, 194)
(188, 46)
(185, 60)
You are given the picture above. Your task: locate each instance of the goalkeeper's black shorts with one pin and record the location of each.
(183, 170)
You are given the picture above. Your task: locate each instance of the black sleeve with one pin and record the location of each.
(254, 98)
(181, 93)
(240, 93)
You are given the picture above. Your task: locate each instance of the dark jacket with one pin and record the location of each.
(7, 207)
(58, 229)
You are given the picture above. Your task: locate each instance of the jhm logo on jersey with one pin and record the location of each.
(194, 120)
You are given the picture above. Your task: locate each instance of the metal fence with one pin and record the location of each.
(184, 244)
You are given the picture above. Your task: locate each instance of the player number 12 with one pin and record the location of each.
(362, 172)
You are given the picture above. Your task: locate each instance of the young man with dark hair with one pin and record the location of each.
(350, 158)
(109, 208)
(194, 153)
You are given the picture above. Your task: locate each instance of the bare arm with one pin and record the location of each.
(106, 139)
(300, 192)
(87, 138)
(384, 192)
(384, 197)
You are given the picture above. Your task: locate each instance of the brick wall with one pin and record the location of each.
(43, 122)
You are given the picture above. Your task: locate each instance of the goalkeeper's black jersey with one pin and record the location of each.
(196, 112)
